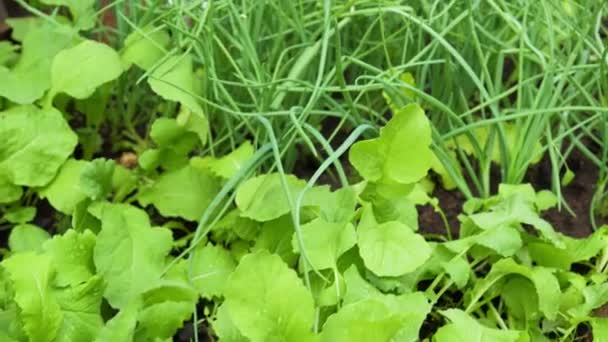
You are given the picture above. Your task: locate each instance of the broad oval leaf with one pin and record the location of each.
(83, 11)
(64, 192)
(31, 275)
(173, 80)
(27, 238)
(122, 326)
(20, 215)
(504, 240)
(129, 254)
(96, 178)
(392, 249)
(161, 321)
(516, 206)
(186, 193)
(81, 308)
(174, 144)
(230, 164)
(464, 329)
(21, 26)
(224, 327)
(264, 198)
(27, 81)
(35, 143)
(267, 301)
(378, 318)
(401, 153)
(72, 255)
(325, 241)
(166, 132)
(275, 236)
(599, 325)
(145, 47)
(357, 288)
(211, 266)
(80, 70)
(520, 298)
(9, 192)
(546, 284)
(367, 320)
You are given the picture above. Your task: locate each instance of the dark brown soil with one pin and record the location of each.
(578, 195)
(186, 333)
(451, 204)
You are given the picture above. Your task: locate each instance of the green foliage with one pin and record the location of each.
(82, 11)
(30, 77)
(211, 267)
(464, 328)
(350, 270)
(121, 327)
(146, 47)
(80, 70)
(59, 283)
(170, 198)
(72, 255)
(264, 198)
(20, 214)
(376, 316)
(173, 143)
(81, 308)
(96, 178)
(126, 235)
(38, 142)
(391, 248)
(174, 81)
(395, 157)
(229, 165)
(185, 192)
(326, 241)
(261, 296)
(27, 238)
(63, 193)
(31, 277)
(546, 284)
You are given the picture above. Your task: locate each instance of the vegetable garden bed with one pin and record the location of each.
(304, 171)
